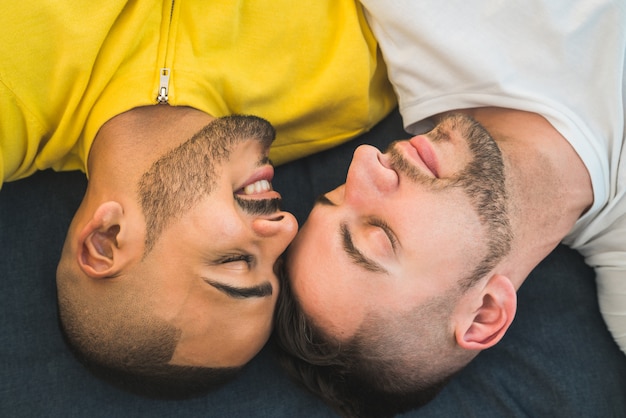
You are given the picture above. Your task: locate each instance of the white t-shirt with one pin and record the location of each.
(563, 59)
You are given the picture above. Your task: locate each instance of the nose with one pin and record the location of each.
(275, 232)
(370, 176)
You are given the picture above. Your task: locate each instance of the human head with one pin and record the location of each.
(407, 294)
(167, 275)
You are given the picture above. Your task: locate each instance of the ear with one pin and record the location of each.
(100, 254)
(486, 325)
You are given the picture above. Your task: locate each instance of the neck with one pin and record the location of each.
(125, 148)
(128, 144)
(549, 186)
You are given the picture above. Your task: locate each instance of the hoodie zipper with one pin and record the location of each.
(165, 72)
(164, 85)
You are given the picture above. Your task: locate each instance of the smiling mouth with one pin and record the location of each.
(259, 185)
(260, 189)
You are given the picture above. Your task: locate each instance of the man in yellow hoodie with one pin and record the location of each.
(167, 274)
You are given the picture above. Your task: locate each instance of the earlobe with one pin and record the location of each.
(489, 322)
(99, 247)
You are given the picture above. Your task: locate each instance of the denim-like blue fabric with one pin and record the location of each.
(557, 360)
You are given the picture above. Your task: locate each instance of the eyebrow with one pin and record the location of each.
(259, 291)
(357, 256)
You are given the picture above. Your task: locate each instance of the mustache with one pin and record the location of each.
(259, 206)
(400, 165)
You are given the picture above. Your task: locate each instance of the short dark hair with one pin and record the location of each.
(131, 349)
(146, 371)
(345, 375)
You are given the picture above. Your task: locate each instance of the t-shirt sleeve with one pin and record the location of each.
(612, 299)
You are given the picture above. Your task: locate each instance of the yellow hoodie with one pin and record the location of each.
(312, 68)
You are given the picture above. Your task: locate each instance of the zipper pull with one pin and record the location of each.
(164, 83)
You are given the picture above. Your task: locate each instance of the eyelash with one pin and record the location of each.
(379, 223)
(236, 257)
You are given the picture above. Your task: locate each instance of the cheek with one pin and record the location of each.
(457, 156)
(443, 236)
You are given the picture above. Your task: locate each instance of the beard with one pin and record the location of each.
(482, 181)
(188, 173)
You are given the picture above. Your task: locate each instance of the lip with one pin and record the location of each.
(421, 151)
(263, 173)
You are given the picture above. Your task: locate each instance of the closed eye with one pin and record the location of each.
(379, 223)
(236, 261)
(247, 258)
(355, 254)
(260, 291)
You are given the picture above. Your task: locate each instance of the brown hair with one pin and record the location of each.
(366, 376)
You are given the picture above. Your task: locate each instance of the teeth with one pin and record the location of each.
(258, 187)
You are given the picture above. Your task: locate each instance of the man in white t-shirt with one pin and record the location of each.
(518, 111)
